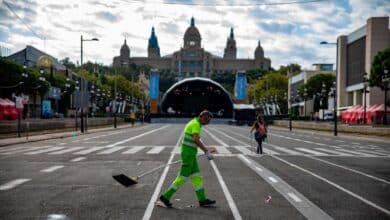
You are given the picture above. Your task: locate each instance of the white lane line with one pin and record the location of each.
(295, 197)
(312, 151)
(150, 207)
(13, 183)
(350, 169)
(67, 150)
(321, 144)
(61, 144)
(134, 150)
(272, 179)
(259, 169)
(87, 151)
(51, 169)
(78, 159)
(228, 196)
(111, 150)
(96, 142)
(215, 138)
(305, 207)
(44, 150)
(355, 152)
(156, 150)
(335, 185)
(334, 152)
(340, 141)
(135, 137)
(10, 149)
(372, 152)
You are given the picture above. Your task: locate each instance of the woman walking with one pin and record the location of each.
(260, 133)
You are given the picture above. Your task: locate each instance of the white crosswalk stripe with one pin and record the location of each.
(354, 152)
(268, 151)
(311, 151)
(111, 150)
(156, 150)
(134, 150)
(222, 150)
(87, 151)
(44, 150)
(285, 150)
(244, 150)
(66, 150)
(21, 150)
(333, 152)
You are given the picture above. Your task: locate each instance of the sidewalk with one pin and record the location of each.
(33, 138)
(342, 131)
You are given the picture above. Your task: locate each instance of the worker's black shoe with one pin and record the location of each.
(207, 203)
(165, 202)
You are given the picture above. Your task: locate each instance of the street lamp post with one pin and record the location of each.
(335, 90)
(81, 42)
(385, 80)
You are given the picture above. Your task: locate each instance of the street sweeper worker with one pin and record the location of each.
(189, 167)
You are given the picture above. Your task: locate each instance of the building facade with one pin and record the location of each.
(304, 106)
(356, 52)
(192, 60)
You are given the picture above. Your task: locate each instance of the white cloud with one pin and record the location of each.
(288, 33)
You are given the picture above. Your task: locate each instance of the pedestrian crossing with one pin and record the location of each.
(268, 148)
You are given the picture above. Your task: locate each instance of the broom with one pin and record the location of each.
(132, 180)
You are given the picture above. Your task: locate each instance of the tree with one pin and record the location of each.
(254, 74)
(314, 87)
(69, 64)
(293, 68)
(226, 79)
(270, 85)
(380, 63)
(167, 79)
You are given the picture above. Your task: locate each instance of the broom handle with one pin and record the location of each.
(162, 166)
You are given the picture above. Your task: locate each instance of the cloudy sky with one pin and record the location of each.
(289, 33)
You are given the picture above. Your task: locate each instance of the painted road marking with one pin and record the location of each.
(66, 150)
(352, 170)
(244, 150)
(268, 151)
(355, 152)
(134, 150)
(271, 178)
(44, 150)
(333, 152)
(292, 152)
(335, 185)
(311, 151)
(150, 207)
(228, 196)
(51, 169)
(78, 159)
(295, 197)
(87, 151)
(111, 150)
(306, 207)
(135, 137)
(24, 150)
(13, 184)
(156, 150)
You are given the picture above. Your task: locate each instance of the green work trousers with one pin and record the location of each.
(189, 169)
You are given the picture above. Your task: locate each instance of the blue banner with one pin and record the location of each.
(153, 82)
(46, 107)
(240, 86)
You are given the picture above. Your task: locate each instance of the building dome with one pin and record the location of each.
(259, 52)
(192, 36)
(125, 50)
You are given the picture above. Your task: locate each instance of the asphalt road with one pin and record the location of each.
(299, 176)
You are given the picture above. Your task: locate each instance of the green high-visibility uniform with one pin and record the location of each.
(189, 167)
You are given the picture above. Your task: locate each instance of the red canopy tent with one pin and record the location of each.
(8, 110)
